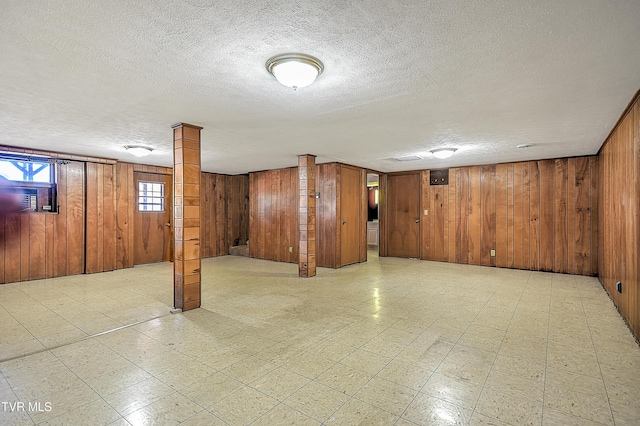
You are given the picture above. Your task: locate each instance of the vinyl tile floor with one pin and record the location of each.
(387, 342)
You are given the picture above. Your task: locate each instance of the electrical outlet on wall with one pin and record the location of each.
(493, 253)
(290, 249)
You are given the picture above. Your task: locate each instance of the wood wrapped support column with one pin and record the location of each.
(307, 215)
(186, 216)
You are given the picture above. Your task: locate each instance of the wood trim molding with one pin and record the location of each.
(59, 155)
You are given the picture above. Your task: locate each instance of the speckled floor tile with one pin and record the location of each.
(390, 341)
(243, 406)
(317, 401)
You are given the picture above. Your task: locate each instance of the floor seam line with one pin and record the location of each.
(102, 333)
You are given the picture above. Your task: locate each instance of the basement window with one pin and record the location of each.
(33, 179)
(150, 196)
(20, 169)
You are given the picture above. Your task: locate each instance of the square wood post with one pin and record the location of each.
(186, 216)
(307, 215)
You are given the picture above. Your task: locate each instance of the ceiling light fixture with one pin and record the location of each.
(443, 153)
(138, 150)
(295, 70)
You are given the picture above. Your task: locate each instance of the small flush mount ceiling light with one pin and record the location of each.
(443, 153)
(138, 150)
(295, 70)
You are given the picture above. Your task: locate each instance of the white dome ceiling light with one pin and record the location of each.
(443, 153)
(295, 70)
(138, 150)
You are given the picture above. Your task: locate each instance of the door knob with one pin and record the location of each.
(344, 222)
(417, 220)
(168, 224)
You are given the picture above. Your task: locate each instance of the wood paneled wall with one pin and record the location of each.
(100, 228)
(619, 215)
(536, 215)
(331, 209)
(224, 210)
(125, 205)
(327, 218)
(93, 231)
(213, 214)
(273, 215)
(237, 195)
(44, 245)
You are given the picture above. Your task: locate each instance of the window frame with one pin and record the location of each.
(45, 190)
(52, 163)
(163, 197)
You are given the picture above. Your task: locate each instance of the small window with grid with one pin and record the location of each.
(150, 197)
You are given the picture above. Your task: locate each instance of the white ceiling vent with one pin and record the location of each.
(406, 158)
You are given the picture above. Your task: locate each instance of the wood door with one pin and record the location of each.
(152, 228)
(403, 215)
(351, 220)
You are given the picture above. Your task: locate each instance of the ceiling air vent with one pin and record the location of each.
(407, 158)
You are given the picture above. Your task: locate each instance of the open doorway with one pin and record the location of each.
(373, 212)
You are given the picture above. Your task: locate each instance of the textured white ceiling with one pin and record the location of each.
(401, 77)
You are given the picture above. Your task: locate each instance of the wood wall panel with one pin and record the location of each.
(487, 214)
(534, 216)
(596, 217)
(12, 242)
(36, 260)
(45, 245)
(526, 217)
(97, 197)
(475, 215)
(436, 232)
(383, 222)
(25, 220)
(273, 202)
(159, 170)
(75, 218)
(497, 207)
(60, 227)
(502, 238)
(462, 219)
(125, 205)
(453, 212)
(237, 196)
(225, 212)
(364, 213)
(619, 215)
(213, 212)
(510, 216)
(561, 242)
(425, 230)
(547, 206)
(327, 218)
(100, 216)
(518, 216)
